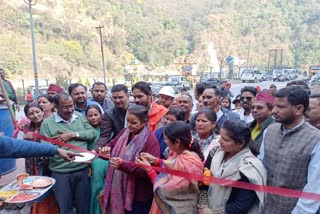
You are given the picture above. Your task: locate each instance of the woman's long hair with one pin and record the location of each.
(179, 130)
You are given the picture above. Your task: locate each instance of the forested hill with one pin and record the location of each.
(156, 32)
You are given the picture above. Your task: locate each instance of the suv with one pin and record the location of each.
(251, 75)
(280, 75)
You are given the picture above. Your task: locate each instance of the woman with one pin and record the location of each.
(128, 188)
(47, 103)
(172, 194)
(226, 103)
(38, 166)
(233, 160)
(173, 114)
(99, 167)
(205, 136)
(34, 112)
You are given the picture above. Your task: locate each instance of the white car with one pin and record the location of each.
(251, 75)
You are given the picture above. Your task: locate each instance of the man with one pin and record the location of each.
(17, 148)
(211, 99)
(113, 120)
(248, 94)
(185, 103)
(10, 92)
(290, 152)
(313, 112)
(225, 90)
(142, 95)
(273, 90)
(54, 89)
(8, 86)
(301, 84)
(166, 96)
(261, 111)
(79, 96)
(99, 95)
(72, 182)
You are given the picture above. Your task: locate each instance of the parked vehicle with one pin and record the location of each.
(42, 89)
(315, 80)
(185, 84)
(292, 73)
(251, 75)
(155, 87)
(280, 75)
(266, 76)
(180, 81)
(177, 79)
(175, 88)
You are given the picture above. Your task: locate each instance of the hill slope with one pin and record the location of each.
(154, 32)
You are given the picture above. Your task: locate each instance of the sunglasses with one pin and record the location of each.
(249, 99)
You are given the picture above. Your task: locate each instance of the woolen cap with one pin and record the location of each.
(265, 97)
(56, 88)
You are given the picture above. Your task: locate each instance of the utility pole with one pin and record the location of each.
(31, 3)
(102, 54)
(248, 55)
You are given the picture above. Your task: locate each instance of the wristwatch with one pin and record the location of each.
(77, 135)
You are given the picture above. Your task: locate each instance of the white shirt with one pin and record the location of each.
(59, 119)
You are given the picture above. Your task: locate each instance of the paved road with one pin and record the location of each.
(235, 88)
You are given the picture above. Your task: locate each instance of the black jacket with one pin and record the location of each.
(112, 122)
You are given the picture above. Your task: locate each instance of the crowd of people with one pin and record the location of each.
(265, 137)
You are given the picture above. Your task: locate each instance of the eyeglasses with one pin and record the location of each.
(249, 99)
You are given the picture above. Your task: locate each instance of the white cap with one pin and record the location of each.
(167, 90)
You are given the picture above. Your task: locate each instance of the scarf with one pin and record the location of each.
(175, 194)
(244, 162)
(206, 144)
(120, 186)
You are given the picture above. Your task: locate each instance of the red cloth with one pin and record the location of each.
(265, 97)
(155, 115)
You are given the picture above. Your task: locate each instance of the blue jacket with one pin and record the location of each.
(160, 136)
(227, 115)
(16, 148)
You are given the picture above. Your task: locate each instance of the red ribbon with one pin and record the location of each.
(214, 180)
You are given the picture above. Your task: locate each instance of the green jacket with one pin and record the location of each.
(255, 144)
(87, 133)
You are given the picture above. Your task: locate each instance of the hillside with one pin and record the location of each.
(155, 32)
